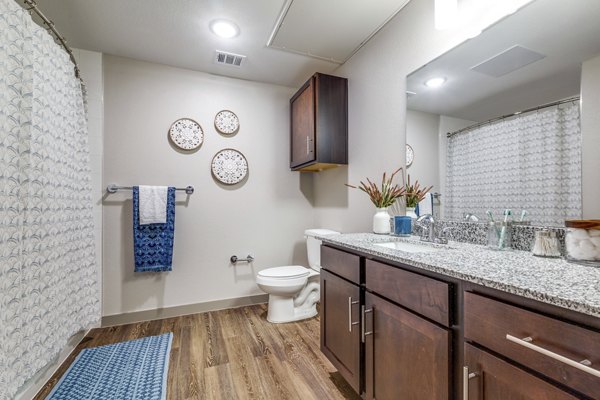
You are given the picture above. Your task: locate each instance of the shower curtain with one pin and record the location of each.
(531, 162)
(48, 276)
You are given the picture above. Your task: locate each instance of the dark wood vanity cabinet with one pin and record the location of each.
(396, 333)
(319, 124)
(340, 313)
(406, 356)
(340, 336)
(490, 378)
(547, 346)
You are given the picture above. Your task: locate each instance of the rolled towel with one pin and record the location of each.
(426, 205)
(153, 204)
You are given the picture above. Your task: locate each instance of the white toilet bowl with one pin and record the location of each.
(294, 290)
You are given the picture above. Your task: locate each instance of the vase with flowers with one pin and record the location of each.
(382, 197)
(413, 194)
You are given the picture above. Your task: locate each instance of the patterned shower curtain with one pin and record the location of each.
(48, 276)
(530, 162)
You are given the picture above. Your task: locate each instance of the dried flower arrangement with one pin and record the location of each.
(414, 193)
(385, 195)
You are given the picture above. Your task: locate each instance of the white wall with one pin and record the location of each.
(265, 216)
(422, 130)
(590, 130)
(377, 111)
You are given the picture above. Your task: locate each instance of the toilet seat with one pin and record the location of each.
(287, 272)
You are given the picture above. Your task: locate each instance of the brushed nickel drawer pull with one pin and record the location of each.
(364, 317)
(350, 304)
(583, 365)
(466, 377)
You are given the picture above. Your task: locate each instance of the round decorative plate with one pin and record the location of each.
(410, 155)
(229, 166)
(226, 122)
(186, 134)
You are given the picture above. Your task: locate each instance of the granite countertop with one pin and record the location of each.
(553, 281)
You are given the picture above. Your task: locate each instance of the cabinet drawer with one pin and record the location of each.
(548, 346)
(341, 263)
(426, 296)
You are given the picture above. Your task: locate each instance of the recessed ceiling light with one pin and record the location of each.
(223, 28)
(435, 82)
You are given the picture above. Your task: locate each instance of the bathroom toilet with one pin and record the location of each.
(295, 290)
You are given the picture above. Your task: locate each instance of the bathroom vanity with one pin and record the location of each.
(405, 320)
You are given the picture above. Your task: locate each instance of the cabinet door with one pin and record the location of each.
(490, 378)
(303, 126)
(340, 331)
(406, 357)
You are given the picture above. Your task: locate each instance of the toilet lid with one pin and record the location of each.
(292, 271)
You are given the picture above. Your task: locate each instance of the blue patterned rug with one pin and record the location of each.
(136, 369)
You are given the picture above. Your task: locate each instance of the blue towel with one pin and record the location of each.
(153, 243)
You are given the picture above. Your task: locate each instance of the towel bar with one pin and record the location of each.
(112, 188)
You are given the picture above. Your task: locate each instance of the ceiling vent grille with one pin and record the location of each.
(225, 58)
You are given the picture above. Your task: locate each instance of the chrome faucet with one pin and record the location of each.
(430, 229)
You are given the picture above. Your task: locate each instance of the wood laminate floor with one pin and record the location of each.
(233, 354)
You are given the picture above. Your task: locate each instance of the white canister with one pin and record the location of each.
(582, 241)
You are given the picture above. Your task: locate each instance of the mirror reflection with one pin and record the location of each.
(499, 115)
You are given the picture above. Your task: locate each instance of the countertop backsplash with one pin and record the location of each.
(476, 233)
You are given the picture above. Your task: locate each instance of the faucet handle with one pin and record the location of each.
(443, 238)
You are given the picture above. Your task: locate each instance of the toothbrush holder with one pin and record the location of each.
(499, 235)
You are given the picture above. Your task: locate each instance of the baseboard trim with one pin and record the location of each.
(178, 311)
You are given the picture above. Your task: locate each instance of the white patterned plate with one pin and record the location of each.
(226, 122)
(229, 166)
(410, 155)
(186, 134)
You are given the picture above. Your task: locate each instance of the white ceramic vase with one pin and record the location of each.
(410, 212)
(381, 221)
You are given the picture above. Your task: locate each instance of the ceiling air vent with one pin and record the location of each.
(225, 58)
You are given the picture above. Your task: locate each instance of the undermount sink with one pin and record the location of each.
(408, 247)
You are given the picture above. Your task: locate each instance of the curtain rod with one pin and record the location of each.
(61, 39)
(478, 124)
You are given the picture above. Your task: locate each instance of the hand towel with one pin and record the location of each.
(153, 244)
(426, 205)
(153, 205)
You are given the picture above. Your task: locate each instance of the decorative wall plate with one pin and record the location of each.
(186, 134)
(410, 155)
(229, 166)
(226, 122)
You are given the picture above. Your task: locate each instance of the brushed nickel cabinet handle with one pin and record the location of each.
(364, 317)
(466, 377)
(307, 145)
(350, 304)
(583, 365)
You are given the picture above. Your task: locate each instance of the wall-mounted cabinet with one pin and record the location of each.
(319, 124)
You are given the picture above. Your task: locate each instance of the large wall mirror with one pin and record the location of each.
(517, 152)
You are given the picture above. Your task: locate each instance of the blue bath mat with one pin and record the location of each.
(136, 369)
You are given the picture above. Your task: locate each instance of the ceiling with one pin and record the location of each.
(565, 32)
(176, 32)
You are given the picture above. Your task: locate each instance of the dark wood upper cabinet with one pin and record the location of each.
(319, 124)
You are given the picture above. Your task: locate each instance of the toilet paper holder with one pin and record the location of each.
(234, 259)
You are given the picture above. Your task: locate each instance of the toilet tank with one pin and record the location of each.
(313, 246)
